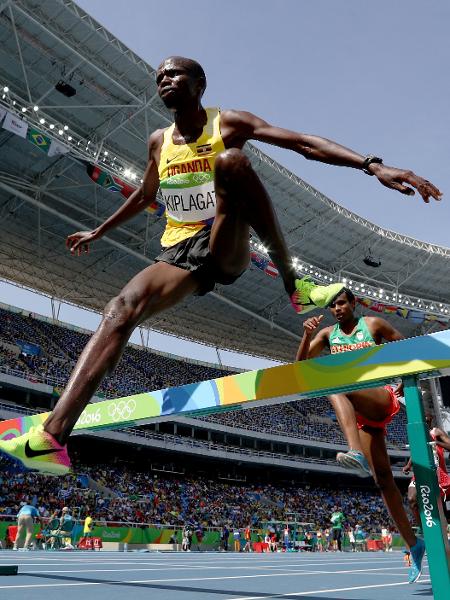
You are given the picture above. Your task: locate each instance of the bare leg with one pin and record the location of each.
(29, 536)
(154, 289)
(345, 414)
(374, 447)
(374, 403)
(20, 529)
(413, 506)
(242, 202)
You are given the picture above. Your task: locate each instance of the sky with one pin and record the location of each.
(372, 76)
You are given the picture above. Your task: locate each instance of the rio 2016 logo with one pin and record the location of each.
(89, 417)
(427, 506)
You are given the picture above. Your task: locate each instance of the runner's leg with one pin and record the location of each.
(345, 414)
(374, 404)
(374, 447)
(242, 202)
(156, 288)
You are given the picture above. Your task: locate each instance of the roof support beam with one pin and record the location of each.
(22, 64)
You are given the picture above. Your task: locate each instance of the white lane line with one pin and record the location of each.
(212, 565)
(333, 590)
(185, 579)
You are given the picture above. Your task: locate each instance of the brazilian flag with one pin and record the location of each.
(39, 139)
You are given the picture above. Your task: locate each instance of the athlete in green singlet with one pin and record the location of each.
(364, 414)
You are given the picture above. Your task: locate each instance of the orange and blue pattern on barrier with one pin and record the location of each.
(429, 354)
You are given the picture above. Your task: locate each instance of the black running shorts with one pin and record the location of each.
(192, 254)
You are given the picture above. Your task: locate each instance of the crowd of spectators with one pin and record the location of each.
(130, 495)
(138, 370)
(311, 419)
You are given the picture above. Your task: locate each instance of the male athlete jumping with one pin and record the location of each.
(213, 197)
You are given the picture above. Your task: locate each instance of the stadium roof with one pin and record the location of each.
(115, 107)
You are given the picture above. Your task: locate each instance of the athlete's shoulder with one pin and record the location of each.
(155, 142)
(240, 121)
(156, 137)
(375, 322)
(326, 332)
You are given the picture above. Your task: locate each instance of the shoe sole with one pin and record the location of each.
(352, 464)
(26, 469)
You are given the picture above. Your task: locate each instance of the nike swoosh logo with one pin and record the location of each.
(30, 453)
(169, 160)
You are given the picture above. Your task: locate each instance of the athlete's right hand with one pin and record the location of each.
(311, 324)
(78, 243)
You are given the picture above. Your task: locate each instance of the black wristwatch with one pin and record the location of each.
(369, 160)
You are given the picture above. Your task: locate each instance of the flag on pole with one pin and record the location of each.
(114, 184)
(57, 149)
(39, 139)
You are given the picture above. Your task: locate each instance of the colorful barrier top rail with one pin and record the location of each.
(427, 355)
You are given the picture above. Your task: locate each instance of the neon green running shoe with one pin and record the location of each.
(37, 450)
(309, 296)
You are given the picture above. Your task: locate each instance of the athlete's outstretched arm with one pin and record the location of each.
(138, 201)
(247, 126)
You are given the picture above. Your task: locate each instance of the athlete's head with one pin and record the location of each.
(343, 306)
(180, 79)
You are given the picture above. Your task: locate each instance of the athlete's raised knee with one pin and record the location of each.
(232, 163)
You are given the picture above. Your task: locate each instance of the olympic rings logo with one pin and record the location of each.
(122, 410)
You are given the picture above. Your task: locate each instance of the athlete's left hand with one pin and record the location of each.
(396, 179)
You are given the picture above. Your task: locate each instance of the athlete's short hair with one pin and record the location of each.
(350, 295)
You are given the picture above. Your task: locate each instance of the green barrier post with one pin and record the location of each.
(428, 493)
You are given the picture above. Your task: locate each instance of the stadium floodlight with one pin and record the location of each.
(42, 121)
(6, 89)
(66, 127)
(51, 126)
(105, 152)
(69, 138)
(35, 108)
(60, 131)
(24, 110)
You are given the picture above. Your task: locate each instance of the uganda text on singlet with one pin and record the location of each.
(359, 338)
(186, 179)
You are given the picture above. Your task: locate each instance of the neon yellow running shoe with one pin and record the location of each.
(309, 296)
(37, 450)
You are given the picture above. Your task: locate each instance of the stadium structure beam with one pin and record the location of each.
(19, 51)
(427, 356)
(79, 225)
(85, 59)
